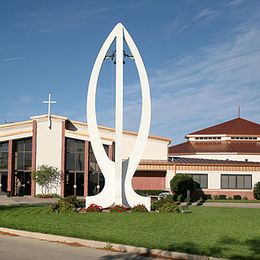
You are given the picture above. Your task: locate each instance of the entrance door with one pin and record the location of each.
(74, 184)
(96, 183)
(3, 182)
(26, 180)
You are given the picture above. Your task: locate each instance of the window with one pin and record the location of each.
(4, 156)
(75, 155)
(229, 181)
(201, 179)
(23, 154)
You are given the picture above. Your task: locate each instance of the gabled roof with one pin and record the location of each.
(239, 147)
(237, 126)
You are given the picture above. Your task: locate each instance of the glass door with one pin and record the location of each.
(3, 183)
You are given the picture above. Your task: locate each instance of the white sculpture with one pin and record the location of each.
(118, 175)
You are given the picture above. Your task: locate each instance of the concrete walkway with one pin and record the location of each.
(127, 252)
(4, 200)
(232, 205)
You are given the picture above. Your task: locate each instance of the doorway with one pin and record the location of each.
(74, 184)
(96, 183)
(3, 183)
(24, 187)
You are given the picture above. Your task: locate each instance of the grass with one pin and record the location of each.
(221, 232)
(234, 201)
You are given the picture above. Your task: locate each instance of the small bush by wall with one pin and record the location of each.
(257, 191)
(237, 197)
(222, 197)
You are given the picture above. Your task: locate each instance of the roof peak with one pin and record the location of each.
(236, 126)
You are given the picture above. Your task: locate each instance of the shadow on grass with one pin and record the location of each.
(19, 206)
(221, 247)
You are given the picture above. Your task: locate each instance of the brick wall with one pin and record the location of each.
(231, 193)
(149, 180)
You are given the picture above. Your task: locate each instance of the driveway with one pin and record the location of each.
(22, 248)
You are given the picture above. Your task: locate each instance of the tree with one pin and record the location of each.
(180, 183)
(47, 177)
(257, 191)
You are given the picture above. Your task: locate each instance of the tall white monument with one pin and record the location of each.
(118, 175)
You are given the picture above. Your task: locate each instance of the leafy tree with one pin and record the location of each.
(257, 190)
(180, 183)
(47, 177)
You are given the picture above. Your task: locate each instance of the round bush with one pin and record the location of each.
(159, 203)
(237, 197)
(139, 208)
(169, 208)
(180, 183)
(257, 191)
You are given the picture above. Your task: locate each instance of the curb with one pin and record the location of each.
(108, 246)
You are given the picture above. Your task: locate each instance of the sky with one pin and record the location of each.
(202, 60)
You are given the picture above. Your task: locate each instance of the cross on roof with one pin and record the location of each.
(49, 102)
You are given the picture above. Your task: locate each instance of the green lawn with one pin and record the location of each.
(221, 232)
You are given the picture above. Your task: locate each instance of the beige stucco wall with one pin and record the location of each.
(15, 131)
(214, 177)
(156, 149)
(49, 145)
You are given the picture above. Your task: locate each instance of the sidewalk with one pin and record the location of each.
(106, 246)
(4, 200)
(232, 205)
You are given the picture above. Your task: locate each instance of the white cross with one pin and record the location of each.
(49, 102)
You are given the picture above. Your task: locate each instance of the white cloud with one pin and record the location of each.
(11, 59)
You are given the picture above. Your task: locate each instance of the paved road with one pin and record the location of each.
(22, 248)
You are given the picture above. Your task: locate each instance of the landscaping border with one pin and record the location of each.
(106, 246)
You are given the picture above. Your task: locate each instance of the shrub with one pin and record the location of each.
(245, 198)
(229, 198)
(181, 198)
(208, 196)
(46, 196)
(78, 203)
(65, 206)
(222, 197)
(215, 197)
(94, 208)
(169, 207)
(180, 183)
(159, 203)
(174, 197)
(68, 204)
(139, 208)
(149, 192)
(237, 197)
(257, 191)
(118, 209)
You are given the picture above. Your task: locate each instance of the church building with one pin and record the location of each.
(223, 159)
(63, 143)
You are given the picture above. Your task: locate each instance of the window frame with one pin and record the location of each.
(200, 174)
(236, 177)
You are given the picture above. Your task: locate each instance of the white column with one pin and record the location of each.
(119, 116)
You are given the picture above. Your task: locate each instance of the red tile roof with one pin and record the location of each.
(237, 126)
(240, 147)
(197, 161)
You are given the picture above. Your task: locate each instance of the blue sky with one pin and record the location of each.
(202, 59)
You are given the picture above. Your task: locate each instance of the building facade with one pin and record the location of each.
(223, 158)
(61, 143)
